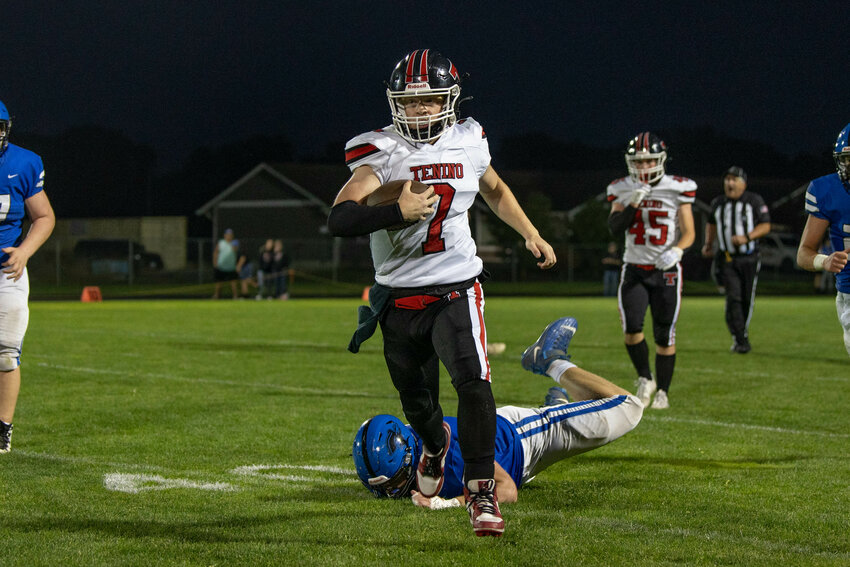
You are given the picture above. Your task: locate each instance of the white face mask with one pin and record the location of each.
(647, 175)
(423, 128)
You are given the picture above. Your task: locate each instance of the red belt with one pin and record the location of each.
(416, 302)
(419, 302)
(646, 267)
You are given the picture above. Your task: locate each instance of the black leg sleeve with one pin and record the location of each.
(476, 421)
(639, 354)
(664, 365)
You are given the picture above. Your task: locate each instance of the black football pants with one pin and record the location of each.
(740, 277)
(448, 327)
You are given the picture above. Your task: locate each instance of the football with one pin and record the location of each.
(389, 193)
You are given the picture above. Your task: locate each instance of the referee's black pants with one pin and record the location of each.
(740, 276)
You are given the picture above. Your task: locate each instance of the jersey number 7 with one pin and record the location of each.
(435, 243)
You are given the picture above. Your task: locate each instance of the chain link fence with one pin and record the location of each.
(317, 265)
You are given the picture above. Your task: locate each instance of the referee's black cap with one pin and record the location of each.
(737, 172)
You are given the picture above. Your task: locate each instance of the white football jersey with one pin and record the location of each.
(439, 249)
(655, 227)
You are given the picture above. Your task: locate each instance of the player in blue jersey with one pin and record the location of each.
(828, 207)
(528, 440)
(21, 194)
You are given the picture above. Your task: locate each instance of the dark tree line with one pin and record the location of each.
(693, 151)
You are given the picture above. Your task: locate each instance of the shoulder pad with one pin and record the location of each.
(364, 148)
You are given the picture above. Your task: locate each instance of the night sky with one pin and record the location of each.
(177, 75)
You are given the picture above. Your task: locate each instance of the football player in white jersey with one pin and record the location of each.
(21, 193)
(427, 296)
(653, 209)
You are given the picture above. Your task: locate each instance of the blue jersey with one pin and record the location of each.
(828, 198)
(509, 455)
(21, 177)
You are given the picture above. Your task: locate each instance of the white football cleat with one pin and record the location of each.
(430, 472)
(645, 388)
(660, 401)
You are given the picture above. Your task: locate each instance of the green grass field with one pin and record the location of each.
(219, 433)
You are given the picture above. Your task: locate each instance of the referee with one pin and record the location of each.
(738, 219)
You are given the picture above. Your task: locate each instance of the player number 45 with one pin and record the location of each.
(638, 228)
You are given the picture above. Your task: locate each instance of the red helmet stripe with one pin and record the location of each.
(423, 65)
(453, 72)
(411, 63)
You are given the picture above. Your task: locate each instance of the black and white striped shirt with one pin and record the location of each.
(737, 217)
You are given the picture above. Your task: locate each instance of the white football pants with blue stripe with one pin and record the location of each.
(553, 433)
(842, 305)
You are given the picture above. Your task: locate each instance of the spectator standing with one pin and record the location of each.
(611, 266)
(738, 219)
(245, 269)
(280, 271)
(224, 264)
(265, 280)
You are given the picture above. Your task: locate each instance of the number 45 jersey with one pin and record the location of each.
(21, 177)
(654, 229)
(439, 249)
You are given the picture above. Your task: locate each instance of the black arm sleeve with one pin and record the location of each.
(350, 219)
(618, 222)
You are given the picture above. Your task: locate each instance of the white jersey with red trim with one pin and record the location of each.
(439, 249)
(654, 229)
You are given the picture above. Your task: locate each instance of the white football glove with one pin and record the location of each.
(639, 195)
(669, 258)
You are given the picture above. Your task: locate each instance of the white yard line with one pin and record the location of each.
(134, 483)
(257, 470)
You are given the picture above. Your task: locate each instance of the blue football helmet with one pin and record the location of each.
(423, 73)
(5, 126)
(841, 154)
(384, 455)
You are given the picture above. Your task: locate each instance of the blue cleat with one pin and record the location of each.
(551, 345)
(556, 396)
